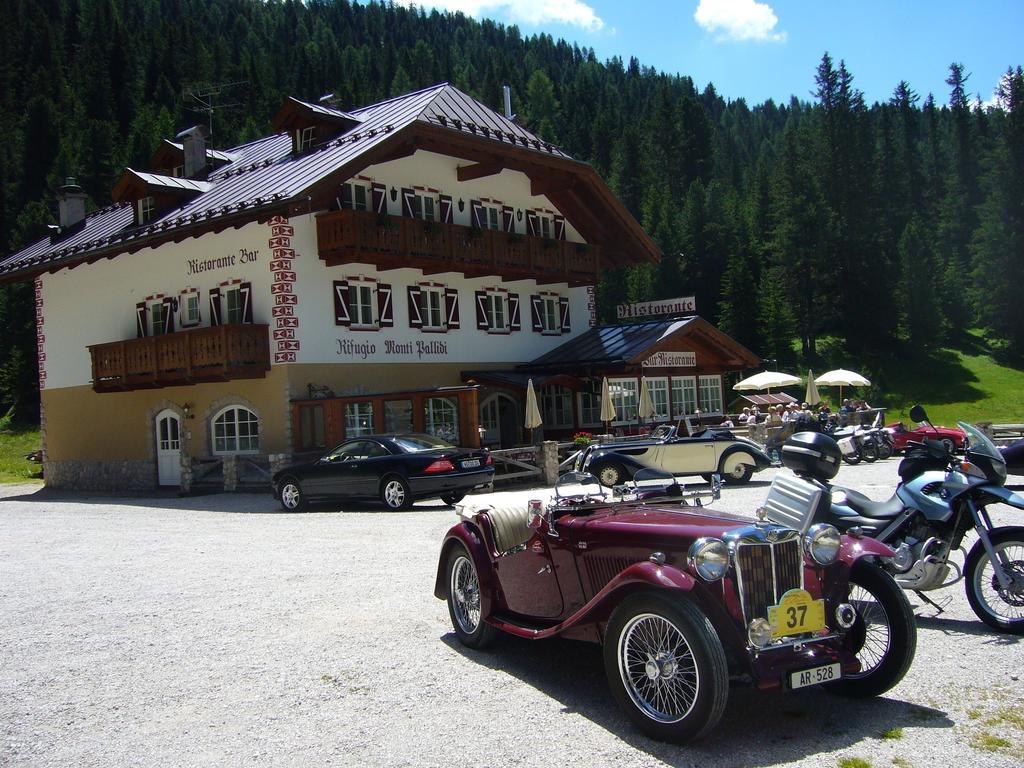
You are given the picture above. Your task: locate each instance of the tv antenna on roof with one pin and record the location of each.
(202, 97)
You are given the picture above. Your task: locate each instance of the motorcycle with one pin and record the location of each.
(856, 444)
(939, 499)
(880, 438)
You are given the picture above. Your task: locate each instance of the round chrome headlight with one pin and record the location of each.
(822, 543)
(709, 558)
(759, 633)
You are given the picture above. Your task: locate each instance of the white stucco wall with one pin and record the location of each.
(95, 303)
(439, 172)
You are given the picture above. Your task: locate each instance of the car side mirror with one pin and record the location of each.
(918, 414)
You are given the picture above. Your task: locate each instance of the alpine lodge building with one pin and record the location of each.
(405, 266)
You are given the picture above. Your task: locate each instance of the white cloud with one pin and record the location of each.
(739, 20)
(529, 12)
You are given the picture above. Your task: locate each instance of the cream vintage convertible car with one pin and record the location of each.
(710, 451)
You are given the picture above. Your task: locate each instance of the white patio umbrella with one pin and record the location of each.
(645, 407)
(811, 396)
(766, 380)
(533, 419)
(841, 377)
(607, 408)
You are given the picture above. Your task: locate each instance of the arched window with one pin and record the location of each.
(236, 430)
(441, 419)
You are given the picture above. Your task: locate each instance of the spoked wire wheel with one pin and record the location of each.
(465, 593)
(883, 636)
(872, 630)
(657, 668)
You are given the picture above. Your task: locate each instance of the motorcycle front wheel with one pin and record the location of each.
(852, 458)
(999, 607)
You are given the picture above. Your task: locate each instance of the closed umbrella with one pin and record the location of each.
(766, 380)
(841, 377)
(533, 419)
(607, 408)
(645, 408)
(811, 396)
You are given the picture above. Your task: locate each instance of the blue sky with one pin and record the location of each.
(760, 49)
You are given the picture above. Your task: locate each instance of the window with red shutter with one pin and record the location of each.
(379, 196)
(480, 302)
(513, 312)
(215, 307)
(415, 319)
(341, 313)
(445, 204)
(385, 310)
(141, 320)
(451, 301)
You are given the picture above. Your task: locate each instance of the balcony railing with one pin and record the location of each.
(348, 236)
(219, 353)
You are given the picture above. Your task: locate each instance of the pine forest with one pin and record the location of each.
(820, 225)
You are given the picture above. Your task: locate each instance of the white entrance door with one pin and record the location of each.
(168, 448)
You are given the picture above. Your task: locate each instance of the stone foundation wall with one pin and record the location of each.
(139, 475)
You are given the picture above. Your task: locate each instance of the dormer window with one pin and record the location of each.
(304, 138)
(178, 171)
(144, 210)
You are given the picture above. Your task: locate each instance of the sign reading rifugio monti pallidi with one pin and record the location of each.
(401, 266)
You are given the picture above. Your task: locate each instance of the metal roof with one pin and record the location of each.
(322, 109)
(174, 183)
(216, 154)
(610, 344)
(265, 172)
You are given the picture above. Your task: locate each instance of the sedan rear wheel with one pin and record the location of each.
(395, 492)
(666, 667)
(292, 497)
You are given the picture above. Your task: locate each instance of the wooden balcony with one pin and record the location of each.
(390, 242)
(220, 353)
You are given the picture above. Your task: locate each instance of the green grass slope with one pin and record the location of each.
(967, 384)
(13, 447)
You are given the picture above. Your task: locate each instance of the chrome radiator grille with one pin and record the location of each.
(765, 573)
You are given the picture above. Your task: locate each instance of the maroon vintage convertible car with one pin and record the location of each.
(684, 600)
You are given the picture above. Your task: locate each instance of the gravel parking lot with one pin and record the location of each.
(217, 631)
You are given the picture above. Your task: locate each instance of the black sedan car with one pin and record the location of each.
(397, 469)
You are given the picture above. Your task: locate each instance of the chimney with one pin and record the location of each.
(508, 102)
(70, 203)
(193, 141)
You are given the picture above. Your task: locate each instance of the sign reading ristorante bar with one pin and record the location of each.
(671, 360)
(244, 256)
(651, 308)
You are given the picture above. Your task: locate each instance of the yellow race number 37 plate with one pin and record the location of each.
(796, 613)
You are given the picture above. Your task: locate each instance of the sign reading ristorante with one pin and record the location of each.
(651, 308)
(671, 360)
(244, 256)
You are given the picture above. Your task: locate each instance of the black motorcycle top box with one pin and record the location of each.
(920, 460)
(812, 454)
